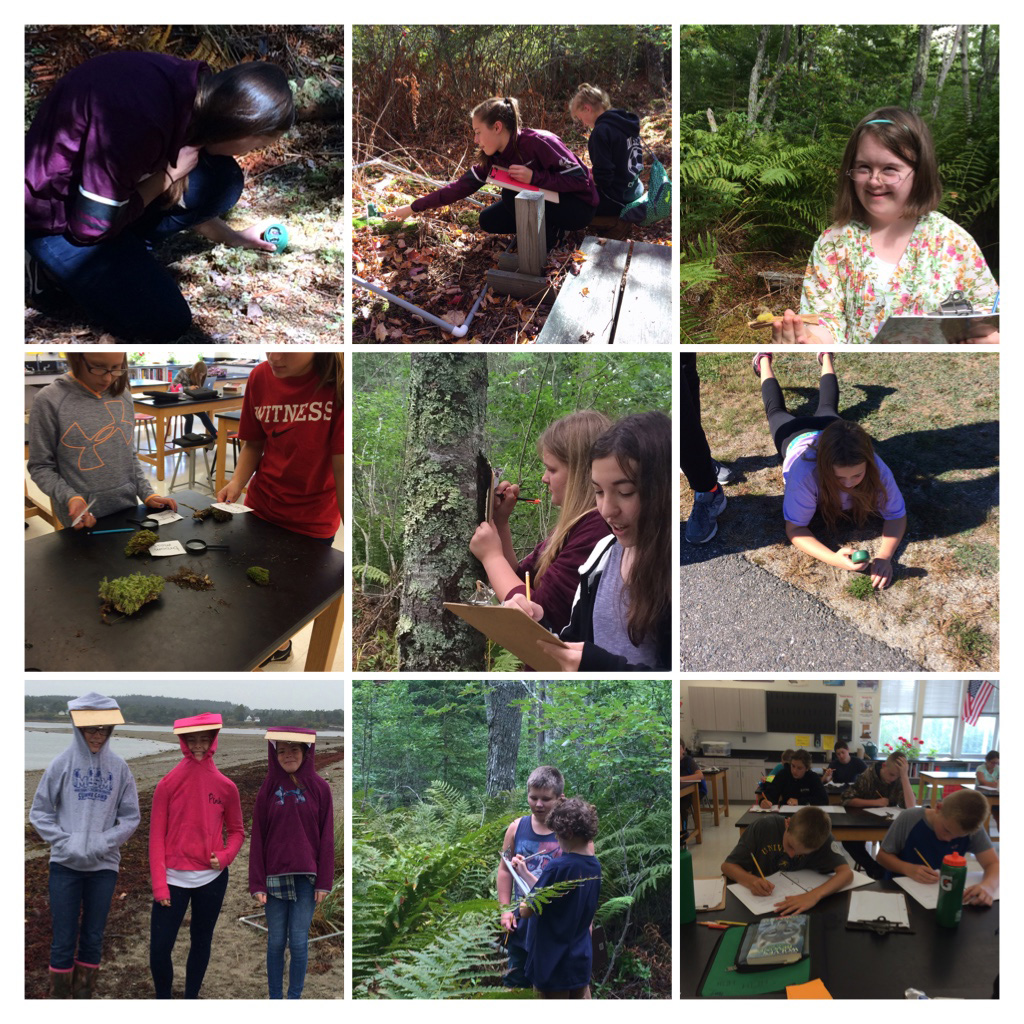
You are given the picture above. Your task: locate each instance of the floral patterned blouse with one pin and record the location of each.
(842, 282)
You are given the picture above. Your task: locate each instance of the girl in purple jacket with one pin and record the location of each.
(127, 149)
(527, 155)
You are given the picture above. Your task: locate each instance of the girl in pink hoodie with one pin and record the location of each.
(194, 804)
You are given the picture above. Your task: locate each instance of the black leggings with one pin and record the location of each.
(784, 425)
(694, 453)
(164, 923)
(569, 213)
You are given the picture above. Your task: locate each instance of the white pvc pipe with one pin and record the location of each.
(457, 332)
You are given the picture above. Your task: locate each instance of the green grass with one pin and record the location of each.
(971, 641)
(977, 558)
(860, 587)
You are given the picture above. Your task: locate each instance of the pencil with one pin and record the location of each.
(758, 866)
(921, 855)
(527, 586)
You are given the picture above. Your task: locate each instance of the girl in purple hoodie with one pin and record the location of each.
(291, 855)
(530, 156)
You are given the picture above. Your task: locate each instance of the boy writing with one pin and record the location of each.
(919, 838)
(560, 952)
(777, 842)
(528, 848)
(795, 784)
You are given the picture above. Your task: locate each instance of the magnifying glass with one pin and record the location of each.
(145, 524)
(197, 547)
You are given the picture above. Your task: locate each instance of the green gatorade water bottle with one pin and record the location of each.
(687, 900)
(952, 878)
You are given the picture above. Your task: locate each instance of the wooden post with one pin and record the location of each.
(531, 236)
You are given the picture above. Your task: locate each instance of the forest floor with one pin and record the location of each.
(934, 421)
(238, 966)
(439, 261)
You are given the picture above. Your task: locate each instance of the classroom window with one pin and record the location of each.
(891, 728)
(937, 734)
(981, 738)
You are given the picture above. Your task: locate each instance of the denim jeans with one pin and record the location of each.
(288, 924)
(164, 923)
(72, 893)
(118, 283)
(204, 418)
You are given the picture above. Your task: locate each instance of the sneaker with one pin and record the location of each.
(702, 524)
(723, 474)
(278, 655)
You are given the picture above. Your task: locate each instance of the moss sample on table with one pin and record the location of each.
(141, 542)
(127, 594)
(261, 577)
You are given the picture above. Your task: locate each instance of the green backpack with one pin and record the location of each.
(656, 203)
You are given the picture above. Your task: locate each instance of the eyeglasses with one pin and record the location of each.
(97, 730)
(886, 177)
(101, 371)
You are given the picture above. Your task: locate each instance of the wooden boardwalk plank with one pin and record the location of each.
(645, 317)
(588, 319)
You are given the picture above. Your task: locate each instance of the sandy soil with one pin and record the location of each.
(238, 966)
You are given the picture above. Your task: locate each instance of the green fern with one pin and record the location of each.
(370, 574)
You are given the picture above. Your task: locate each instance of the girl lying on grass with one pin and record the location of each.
(829, 465)
(889, 252)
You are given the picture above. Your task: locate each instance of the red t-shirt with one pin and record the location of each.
(302, 428)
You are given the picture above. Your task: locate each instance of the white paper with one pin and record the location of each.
(869, 906)
(793, 808)
(882, 812)
(928, 894)
(164, 518)
(788, 883)
(707, 892)
(231, 506)
(164, 548)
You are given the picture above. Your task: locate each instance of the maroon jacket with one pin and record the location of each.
(557, 587)
(555, 167)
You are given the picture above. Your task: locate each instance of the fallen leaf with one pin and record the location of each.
(253, 311)
(381, 332)
(584, 292)
(455, 317)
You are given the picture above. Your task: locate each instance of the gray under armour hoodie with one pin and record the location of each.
(82, 444)
(86, 806)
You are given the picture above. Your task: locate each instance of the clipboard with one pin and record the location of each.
(883, 913)
(486, 482)
(512, 629)
(933, 330)
(503, 179)
(702, 892)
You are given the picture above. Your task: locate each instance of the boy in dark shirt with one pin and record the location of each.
(844, 767)
(795, 784)
(559, 954)
(777, 842)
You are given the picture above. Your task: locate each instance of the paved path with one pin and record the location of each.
(735, 616)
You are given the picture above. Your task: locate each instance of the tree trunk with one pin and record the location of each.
(504, 727)
(965, 69)
(920, 79)
(753, 106)
(447, 399)
(783, 59)
(947, 63)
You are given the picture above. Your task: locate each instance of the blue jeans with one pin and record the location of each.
(118, 283)
(72, 893)
(164, 923)
(204, 419)
(288, 924)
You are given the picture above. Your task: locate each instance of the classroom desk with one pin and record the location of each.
(183, 407)
(930, 781)
(230, 628)
(851, 826)
(713, 775)
(227, 419)
(691, 791)
(959, 963)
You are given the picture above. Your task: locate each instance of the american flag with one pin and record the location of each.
(975, 699)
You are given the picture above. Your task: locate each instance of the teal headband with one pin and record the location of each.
(881, 120)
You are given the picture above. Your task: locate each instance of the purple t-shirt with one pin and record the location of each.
(800, 475)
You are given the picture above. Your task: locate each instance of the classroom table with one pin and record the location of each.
(227, 419)
(849, 827)
(691, 791)
(712, 775)
(958, 963)
(183, 407)
(931, 781)
(230, 628)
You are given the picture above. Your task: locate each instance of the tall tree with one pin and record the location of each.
(947, 62)
(504, 728)
(447, 399)
(966, 73)
(920, 79)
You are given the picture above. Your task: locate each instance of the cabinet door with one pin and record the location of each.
(751, 780)
(727, 708)
(753, 715)
(702, 707)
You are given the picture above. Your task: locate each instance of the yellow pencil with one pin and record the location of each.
(527, 586)
(921, 855)
(758, 866)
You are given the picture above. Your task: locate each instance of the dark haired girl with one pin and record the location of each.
(889, 252)
(127, 149)
(528, 155)
(829, 465)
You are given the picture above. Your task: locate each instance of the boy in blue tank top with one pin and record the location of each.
(529, 847)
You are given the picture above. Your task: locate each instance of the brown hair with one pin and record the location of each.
(841, 745)
(992, 754)
(77, 361)
(573, 817)
(967, 809)
(787, 755)
(906, 135)
(590, 94)
(810, 827)
(570, 440)
(197, 374)
(895, 758)
(547, 776)
(845, 444)
(500, 108)
(330, 370)
(803, 757)
(642, 445)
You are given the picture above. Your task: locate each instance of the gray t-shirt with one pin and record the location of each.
(911, 834)
(763, 840)
(611, 611)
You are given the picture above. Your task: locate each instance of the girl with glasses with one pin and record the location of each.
(889, 252)
(82, 442)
